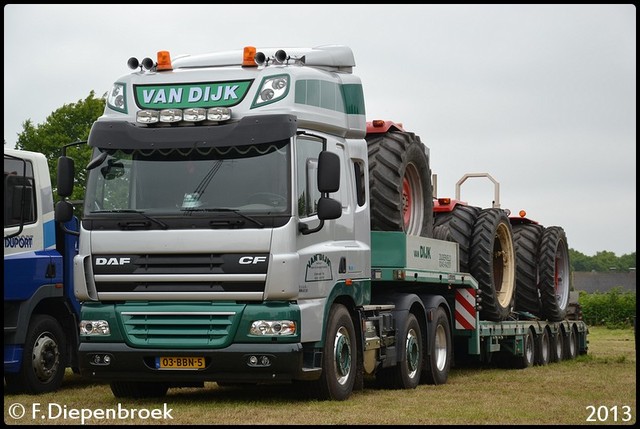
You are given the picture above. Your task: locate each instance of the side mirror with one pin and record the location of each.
(66, 171)
(328, 172)
(328, 209)
(63, 211)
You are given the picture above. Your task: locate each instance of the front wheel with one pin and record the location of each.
(44, 358)
(339, 357)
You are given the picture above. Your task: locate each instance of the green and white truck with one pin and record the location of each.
(243, 223)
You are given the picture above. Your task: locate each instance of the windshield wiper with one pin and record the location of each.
(140, 212)
(226, 209)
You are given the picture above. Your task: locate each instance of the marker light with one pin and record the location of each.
(164, 61)
(522, 213)
(445, 201)
(248, 57)
(378, 123)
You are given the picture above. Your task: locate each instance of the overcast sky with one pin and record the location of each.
(542, 97)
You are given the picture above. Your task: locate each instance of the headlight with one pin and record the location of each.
(273, 327)
(272, 89)
(117, 98)
(94, 327)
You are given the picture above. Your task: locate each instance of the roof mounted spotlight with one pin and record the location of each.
(147, 63)
(133, 63)
(260, 58)
(281, 56)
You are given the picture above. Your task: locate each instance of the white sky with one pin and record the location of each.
(542, 97)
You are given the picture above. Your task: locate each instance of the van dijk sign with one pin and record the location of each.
(219, 94)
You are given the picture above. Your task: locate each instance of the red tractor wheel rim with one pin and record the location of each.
(407, 201)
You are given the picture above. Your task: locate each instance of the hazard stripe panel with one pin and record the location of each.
(465, 308)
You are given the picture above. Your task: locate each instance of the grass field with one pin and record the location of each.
(596, 388)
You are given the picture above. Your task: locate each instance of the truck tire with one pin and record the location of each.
(554, 274)
(406, 374)
(339, 357)
(492, 263)
(44, 358)
(526, 240)
(529, 352)
(557, 347)
(401, 196)
(457, 226)
(138, 389)
(571, 344)
(543, 348)
(438, 360)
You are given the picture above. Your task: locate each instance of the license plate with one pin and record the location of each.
(179, 362)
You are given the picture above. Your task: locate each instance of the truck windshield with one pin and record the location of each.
(242, 180)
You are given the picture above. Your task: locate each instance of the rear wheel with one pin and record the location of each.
(526, 239)
(571, 344)
(493, 263)
(406, 374)
(557, 349)
(339, 357)
(400, 184)
(554, 274)
(438, 360)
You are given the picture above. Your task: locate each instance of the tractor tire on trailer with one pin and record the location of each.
(492, 263)
(339, 357)
(438, 360)
(526, 240)
(553, 268)
(44, 358)
(400, 189)
(457, 226)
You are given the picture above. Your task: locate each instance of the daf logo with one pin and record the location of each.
(246, 260)
(113, 261)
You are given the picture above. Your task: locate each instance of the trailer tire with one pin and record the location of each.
(438, 360)
(492, 263)
(339, 357)
(554, 274)
(571, 344)
(526, 240)
(543, 348)
(401, 195)
(528, 356)
(44, 358)
(457, 226)
(138, 389)
(557, 349)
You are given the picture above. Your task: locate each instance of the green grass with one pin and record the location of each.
(561, 393)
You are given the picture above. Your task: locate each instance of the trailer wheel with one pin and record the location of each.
(138, 389)
(554, 274)
(557, 350)
(571, 344)
(438, 360)
(492, 263)
(339, 357)
(543, 348)
(44, 358)
(457, 226)
(400, 184)
(528, 357)
(526, 239)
